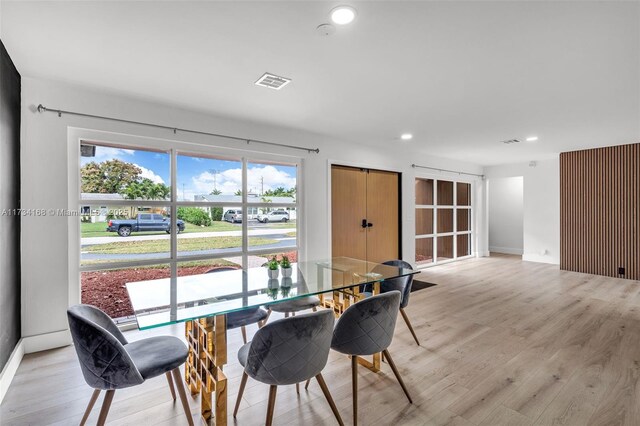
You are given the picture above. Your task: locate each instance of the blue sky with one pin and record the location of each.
(200, 175)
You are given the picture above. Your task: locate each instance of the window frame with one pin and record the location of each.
(454, 207)
(174, 148)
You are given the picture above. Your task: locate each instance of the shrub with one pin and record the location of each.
(194, 215)
(216, 214)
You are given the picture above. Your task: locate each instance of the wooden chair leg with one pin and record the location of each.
(327, 394)
(264, 321)
(106, 404)
(92, 401)
(397, 374)
(272, 403)
(177, 379)
(243, 383)
(170, 380)
(306, 386)
(244, 334)
(406, 320)
(354, 387)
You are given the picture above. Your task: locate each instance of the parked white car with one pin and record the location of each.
(274, 216)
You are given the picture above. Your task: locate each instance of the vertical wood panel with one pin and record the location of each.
(600, 211)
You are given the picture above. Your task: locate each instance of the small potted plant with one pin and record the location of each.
(285, 265)
(272, 288)
(272, 267)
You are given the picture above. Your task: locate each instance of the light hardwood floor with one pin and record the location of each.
(504, 342)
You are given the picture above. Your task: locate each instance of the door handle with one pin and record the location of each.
(364, 223)
(369, 225)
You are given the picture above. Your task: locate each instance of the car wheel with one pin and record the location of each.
(124, 231)
(284, 219)
(266, 219)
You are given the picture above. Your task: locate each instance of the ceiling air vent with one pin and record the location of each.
(272, 81)
(511, 141)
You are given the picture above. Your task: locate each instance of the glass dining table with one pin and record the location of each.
(202, 302)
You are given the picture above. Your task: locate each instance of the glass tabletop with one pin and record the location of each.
(217, 293)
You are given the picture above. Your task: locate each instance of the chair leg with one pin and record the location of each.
(327, 394)
(243, 383)
(286, 314)
(298, 388)
(293, 314)
(177, 379)
(264, 321)
(244, 334)
(106, 404)
(406, 320)
(170, 380)
(314, 309)
(306, 386)
(397, 374)
(272, 403)
(354, 386)
(92, 401)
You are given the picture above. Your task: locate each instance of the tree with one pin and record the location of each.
(146, 189)
(215, 192)
(108, 177)
(238, 192)
(281, 192)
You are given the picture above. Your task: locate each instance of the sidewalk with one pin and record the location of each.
(116, 239)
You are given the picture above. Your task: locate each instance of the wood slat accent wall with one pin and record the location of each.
(600, 211)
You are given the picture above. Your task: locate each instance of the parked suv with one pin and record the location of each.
(274, 216)
(233, 216)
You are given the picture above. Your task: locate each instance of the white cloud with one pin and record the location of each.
(229, 181)
(149, 174)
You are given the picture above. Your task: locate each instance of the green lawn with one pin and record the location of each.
(99, 229)
(279, 225)
(186, 244)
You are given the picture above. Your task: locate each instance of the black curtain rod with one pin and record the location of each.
(42, 108)
(445, 170)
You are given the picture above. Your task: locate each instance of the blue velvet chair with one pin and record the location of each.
(286, 352)
(109, 362)
(366, 328)
(243, 318)
(292, 306)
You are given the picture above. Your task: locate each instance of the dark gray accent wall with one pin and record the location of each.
(9, 202)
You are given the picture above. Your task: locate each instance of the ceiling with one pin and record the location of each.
(460, 76)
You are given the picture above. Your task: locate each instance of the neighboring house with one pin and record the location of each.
(100, 210)
(252, 212)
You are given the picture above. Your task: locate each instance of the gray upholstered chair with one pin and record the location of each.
(243, 318)
(288, 351)
(366, 328)
(292, 306)
(403, 285)
(109, 362)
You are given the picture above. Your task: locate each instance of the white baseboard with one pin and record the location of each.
(506, 250)
(10, 368)
(42, 342)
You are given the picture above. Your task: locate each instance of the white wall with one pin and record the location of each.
(541, 207)
(49, 269)
(506, 215)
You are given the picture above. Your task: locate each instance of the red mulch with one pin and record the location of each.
(107, 290)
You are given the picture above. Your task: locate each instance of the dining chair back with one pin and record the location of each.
(366, 328)
(286, 352)
(109, 362)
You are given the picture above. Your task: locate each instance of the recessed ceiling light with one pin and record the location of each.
(343, 15)
(406, 136)
(532, 138)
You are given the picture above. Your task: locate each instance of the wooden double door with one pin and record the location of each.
(365, 213)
